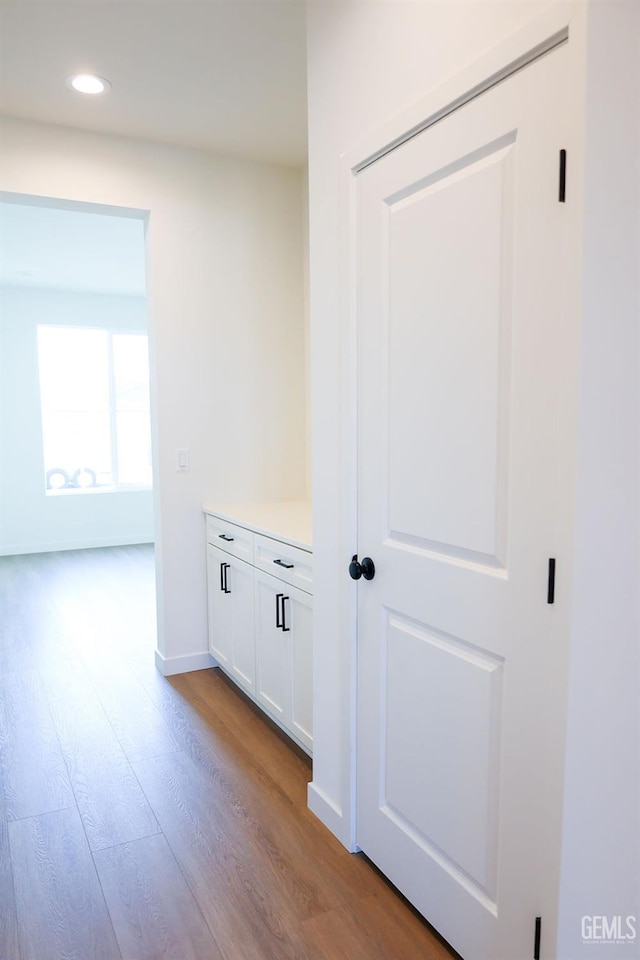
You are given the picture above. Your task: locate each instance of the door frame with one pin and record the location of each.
(567, 23)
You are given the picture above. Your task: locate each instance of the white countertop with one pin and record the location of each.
(288, 520)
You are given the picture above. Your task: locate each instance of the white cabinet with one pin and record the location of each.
(283, 653)
(230, 589)
(259, 584)
(284, 561)
(301, 665)
(230, 537)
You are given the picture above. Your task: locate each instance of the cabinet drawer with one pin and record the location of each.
(285, 562)
(230, 538)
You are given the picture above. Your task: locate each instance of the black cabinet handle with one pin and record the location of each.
(283, 563)
(280, 613)
(223, 577)
(285, 628)
(223, 536)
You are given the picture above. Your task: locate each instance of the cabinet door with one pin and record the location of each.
(272, 647)
(231, 630)
(239, 582)
(284, 654)
(298, 615)
(219, 607)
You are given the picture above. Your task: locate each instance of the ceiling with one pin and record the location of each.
(43, 247)
(227, 76)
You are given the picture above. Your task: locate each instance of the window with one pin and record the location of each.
(94, 392)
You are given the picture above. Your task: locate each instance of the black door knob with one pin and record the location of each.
(365, 569)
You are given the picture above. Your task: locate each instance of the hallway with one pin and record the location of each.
(144, 818)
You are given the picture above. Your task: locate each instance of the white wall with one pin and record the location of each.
(226, 334)
(368, 61)
(307, 332)
(30, 521)
(601, 835)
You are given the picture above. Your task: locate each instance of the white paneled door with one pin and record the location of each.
(461, 253)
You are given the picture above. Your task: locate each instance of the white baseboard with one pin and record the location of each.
(17, 549)
(330, 814)
(169, 666)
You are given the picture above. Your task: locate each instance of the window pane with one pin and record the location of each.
(134, 447)
(131, 378)
(131, 370)
(74, 394)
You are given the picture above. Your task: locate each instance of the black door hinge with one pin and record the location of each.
(551, 583)
(562, 183)
(536, 939)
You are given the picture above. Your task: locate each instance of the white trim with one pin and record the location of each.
(56, 546)
(78, 206)
(544, 33)
(329, 814)
(92, 491)
(491, 81)
(169, 666)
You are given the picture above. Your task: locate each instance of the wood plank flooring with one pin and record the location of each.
(8, 917)
(151, 819)
(163, 918)
(34, 773)
(60, 905)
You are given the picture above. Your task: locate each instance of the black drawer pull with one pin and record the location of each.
(223, 536)
(283, 563)
(278, 621)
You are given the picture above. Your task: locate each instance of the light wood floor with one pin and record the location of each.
(143, 818)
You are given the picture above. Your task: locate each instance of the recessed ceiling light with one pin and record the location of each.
(88, 83)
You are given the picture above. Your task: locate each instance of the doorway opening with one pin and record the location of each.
(75, 421)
